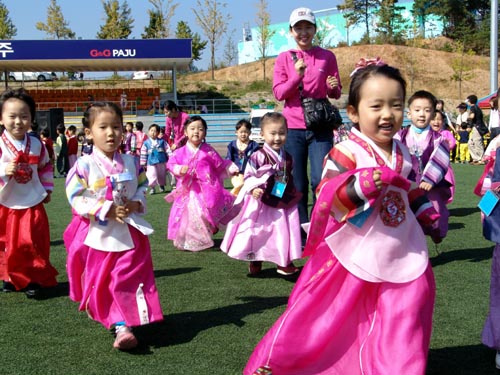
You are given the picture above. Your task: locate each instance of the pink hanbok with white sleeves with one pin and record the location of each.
(266, 229)
(200, 199)
(363, 303)
(110, 269)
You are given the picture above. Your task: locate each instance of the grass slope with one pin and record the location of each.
(215, 314)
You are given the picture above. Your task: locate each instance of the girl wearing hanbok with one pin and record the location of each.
(363, 303)
(268, 227)
(200, 199)
(26, 184)
(110, 269)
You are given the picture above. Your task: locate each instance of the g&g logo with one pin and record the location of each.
(112, 53)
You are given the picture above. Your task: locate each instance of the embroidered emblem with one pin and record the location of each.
(392, 212)
(263, 370)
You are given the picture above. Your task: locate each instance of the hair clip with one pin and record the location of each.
(363, 63)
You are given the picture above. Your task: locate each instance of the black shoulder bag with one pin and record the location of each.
(319, 114)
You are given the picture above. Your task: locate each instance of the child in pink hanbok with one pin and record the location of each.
(363, 303)
(431, 154)
(200, 199)
(268, 227)
(110, 269)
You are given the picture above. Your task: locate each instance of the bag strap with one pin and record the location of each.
(301, 86)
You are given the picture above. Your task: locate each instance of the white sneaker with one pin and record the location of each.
(497, 360)
(151, 191)
(125, 339)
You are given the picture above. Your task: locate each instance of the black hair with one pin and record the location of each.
(472, 99)
(271, 117)
(441, 113)
(247, 124)
(423, 94)
(60, 128)
(155, 126)
(170, 105)
(22, 95)
(192, 119)
(45, 132)
(139, 125)
(72, 128)
(91, 113)
(361, 75)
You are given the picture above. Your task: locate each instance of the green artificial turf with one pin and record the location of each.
(215, 314)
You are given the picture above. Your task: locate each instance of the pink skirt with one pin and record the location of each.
(112, 286)
(156, 174)
(336, 323)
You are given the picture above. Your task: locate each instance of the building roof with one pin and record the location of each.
(94, 55)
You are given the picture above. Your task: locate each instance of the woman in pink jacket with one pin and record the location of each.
(315, 70)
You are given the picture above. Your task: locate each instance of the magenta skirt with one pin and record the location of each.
(112, 286)
(336, 323)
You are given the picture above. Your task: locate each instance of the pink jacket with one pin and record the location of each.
(321, 63)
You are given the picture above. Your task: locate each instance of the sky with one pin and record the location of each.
(84, 17)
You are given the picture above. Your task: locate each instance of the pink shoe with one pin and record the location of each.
(125, 339)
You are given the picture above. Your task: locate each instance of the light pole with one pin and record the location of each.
(494, 46)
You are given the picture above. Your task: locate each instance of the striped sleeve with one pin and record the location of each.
(438, 163)
(84, 198)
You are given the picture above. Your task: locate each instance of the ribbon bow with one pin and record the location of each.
(24, 172)
(363, 63)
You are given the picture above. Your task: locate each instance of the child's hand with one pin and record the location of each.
(47, 198)
(257, 193)
(133, 206)
(117, 213)
(183, 170)
(425, 186)
(11, 168)
(377, 178)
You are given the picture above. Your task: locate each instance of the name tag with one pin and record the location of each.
(278, 189)
(122, 177)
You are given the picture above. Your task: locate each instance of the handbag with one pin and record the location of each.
(319, 114)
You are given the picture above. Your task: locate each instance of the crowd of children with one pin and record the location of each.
(383, 189)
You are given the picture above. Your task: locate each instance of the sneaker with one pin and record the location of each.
(8, 287)
(288, 270)
(32, 290)
(162, 189)
(497, 360)
(151, 191)
(254, 267)
(125, 339)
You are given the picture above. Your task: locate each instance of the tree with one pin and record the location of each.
(213, 23)
(358, 12)
(7, 28)
(390, 24)
(320, 38)
(230, 53)
(264, 33)
(159, 19)
(462, 65)
(56, 26)
(119, 23)
(197, 46)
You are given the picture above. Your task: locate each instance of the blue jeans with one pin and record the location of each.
(304, 145)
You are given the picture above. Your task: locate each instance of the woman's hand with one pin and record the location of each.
(183, 170)
(332, 81)
(300, 67)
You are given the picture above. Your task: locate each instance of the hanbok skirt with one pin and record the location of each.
(336, 323)
(491, 330)
(112, 286)
(25, 247)
(264, 233)
(156, 174)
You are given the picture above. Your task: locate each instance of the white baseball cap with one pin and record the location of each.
(302, 14)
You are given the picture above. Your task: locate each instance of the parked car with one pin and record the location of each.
(255, 116)
(146, 74)
(31, 76)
